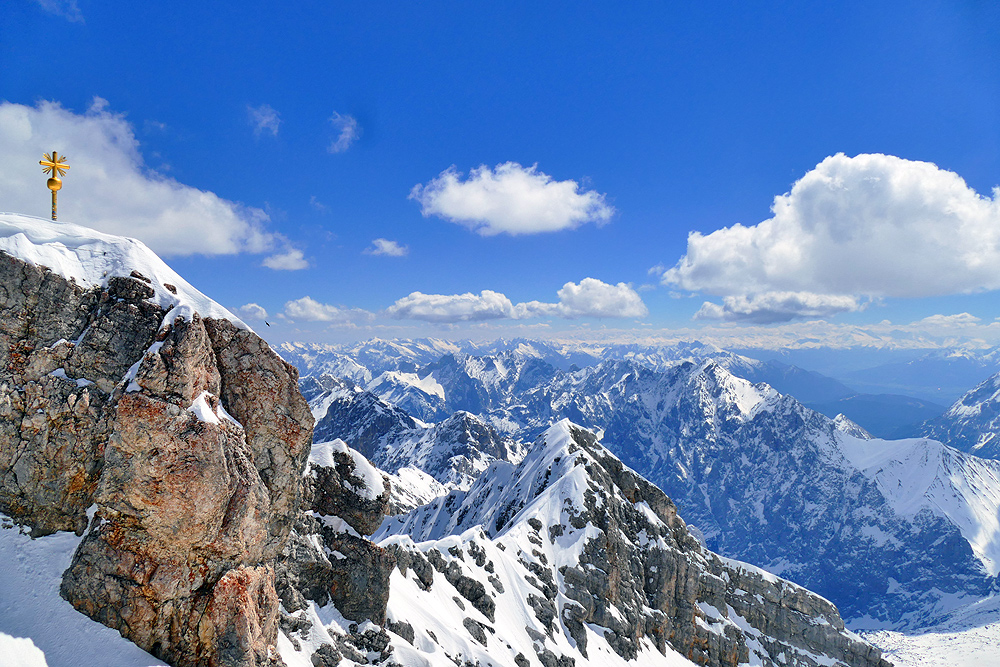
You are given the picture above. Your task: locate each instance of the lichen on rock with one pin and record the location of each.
(188, 434)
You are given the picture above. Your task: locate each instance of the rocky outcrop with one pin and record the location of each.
(176, 443)
(328, 558)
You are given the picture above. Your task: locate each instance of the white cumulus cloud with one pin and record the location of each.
(387, 248)
(778, 307)
(264, 119)
(252, 311)
(109, 188)
(468, 307)
(308, 309)
(590, 298)
(593, 298)
(348, 131)
(510, 199)
(291, 259)
(868, 226)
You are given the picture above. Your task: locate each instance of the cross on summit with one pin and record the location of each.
(55, 165)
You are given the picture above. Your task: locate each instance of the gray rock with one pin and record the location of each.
(326, 656)
(190, 514)
(401, 628)
(360, 581)
(334, 492)
(469, 588)
(475, 629)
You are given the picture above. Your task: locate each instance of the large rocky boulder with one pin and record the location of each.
(138, 413)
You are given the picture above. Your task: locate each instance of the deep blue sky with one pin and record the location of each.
(686, 116)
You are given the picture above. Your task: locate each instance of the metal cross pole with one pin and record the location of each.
(56, 165)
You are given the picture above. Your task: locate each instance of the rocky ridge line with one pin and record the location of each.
(603, 562)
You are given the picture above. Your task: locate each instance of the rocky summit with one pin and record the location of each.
(150, 421)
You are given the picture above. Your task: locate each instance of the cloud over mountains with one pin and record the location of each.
(851, 229)
(110, 188)
(510, 199)
(589, 298)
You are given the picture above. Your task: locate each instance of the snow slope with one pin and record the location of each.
(92, 258)
(37, 627)
(967, 637)
(919, 474)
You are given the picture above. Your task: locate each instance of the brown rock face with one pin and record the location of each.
(55, 400)
(189, 436)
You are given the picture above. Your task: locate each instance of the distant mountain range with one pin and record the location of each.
(762, 477)
(883, 415)
(937, 375)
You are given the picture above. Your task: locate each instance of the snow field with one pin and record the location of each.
(38, 627)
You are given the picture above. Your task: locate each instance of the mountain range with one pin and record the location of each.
(529, 503)
(760, 476)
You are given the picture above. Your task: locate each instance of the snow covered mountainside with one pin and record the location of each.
(765, 479)
(571, 558)
(365, 361)
(972, 423)
(424, 461)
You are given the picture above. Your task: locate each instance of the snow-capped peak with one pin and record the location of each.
(92, 258)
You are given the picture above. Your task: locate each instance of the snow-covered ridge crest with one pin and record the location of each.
(572, 557)
(918, 474)
(322, 454)
(972, 423)
(92, 258)
(427, 384)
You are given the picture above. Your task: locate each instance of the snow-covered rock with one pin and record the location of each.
(569, 558)
(92, 259)
(972, 423)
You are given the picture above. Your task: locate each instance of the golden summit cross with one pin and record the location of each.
(54, 164)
